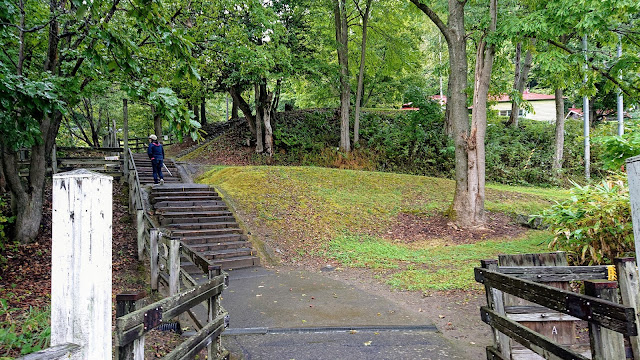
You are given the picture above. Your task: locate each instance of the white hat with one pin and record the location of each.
(153, 137)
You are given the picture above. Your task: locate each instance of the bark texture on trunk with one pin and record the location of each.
(520, 80)
(259, 143)
(340, 17)
(363, 51)
(203, 114)
(559, 140)
(239, 102)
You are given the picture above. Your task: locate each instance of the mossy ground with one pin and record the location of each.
(344, 216)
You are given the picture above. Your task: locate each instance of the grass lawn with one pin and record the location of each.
(343, 216)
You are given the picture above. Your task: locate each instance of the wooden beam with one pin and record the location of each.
(537, 343)
(604, 313)
(630, 293)
(192, 346)
(556, 273)
(605, 343)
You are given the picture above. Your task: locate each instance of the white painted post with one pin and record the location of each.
(81, 262)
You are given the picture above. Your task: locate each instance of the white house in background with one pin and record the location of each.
(543, 106)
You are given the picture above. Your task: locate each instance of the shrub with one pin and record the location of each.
(594, 226)
(24, 331)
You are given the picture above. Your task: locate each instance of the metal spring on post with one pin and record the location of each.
(171, 326)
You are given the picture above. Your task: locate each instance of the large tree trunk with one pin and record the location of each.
(520, 80)
(234, 109)
(265, 101)
(340, 17)
(559, 143)
(157, 123)
(244, 106)
(196, 112)
(363, 50)
(259, 117)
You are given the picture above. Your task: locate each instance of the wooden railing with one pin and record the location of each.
(164, 255)
(609, 322)
(132, 327)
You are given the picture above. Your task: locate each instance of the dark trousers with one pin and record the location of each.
(157, 170)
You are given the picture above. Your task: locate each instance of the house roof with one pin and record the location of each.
(526, 96)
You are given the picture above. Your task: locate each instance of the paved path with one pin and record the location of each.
(293, 314)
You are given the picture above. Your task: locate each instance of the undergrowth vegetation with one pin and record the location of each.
(414, 142)
(28, 331)
(343, 216)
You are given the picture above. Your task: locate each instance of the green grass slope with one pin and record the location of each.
(344, 216)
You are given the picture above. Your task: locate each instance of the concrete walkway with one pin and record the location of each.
(294, 314)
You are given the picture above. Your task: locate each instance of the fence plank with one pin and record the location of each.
(131, 324)
(141, 231)
(556, 273)
(605, 313)
(537, 343)
(192, 346)
(495, 302)
(605, 344)
(154, 234)
(630, 292)
(58, 352)
(125, 304)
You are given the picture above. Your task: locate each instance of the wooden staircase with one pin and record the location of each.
(200, 219)
(145, 172)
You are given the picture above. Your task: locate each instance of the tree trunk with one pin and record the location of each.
(203, 114)
(239, 102)
(266, 98)
(196, 113)
(363, 48)
(157, 123)
(234, 109)
(259, 117)
(520, 80)
(559, 143)
(340, 17)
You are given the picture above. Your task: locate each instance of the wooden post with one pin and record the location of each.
(174, 266)
(81, 259)
(140, 228)
(125, 135)
(154, 234)
(495, 302)
(126, 303)
(633, 175)
(630, 292)
(54, 160)
(214, 307)
(605, 344)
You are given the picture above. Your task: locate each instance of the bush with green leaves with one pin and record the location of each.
(616, 149)
(23, 331)
(594, 225)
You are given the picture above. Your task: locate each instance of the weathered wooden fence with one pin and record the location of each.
(609, 322)
(164, 254)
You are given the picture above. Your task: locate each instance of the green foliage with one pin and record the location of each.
(411, 142)
(26, 330)
(616, 149)
(594, 226)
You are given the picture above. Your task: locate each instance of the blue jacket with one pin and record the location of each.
(155, 151)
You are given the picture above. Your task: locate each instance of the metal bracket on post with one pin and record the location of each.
(152, 318)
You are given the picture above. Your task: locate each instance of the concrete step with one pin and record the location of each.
(194, 214)
(212, 239)
(185, 209)
(238, 262)
(227, 254)
(191, 220)
(204, 232)
(179, 203)
(220, 246)
(198, 226)
(182, 197)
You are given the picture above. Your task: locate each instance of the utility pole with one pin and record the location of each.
(585, 112)
(620, 100)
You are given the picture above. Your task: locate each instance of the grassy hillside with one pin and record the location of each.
(381, 221)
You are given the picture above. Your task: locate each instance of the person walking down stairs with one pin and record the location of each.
(156, 154)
